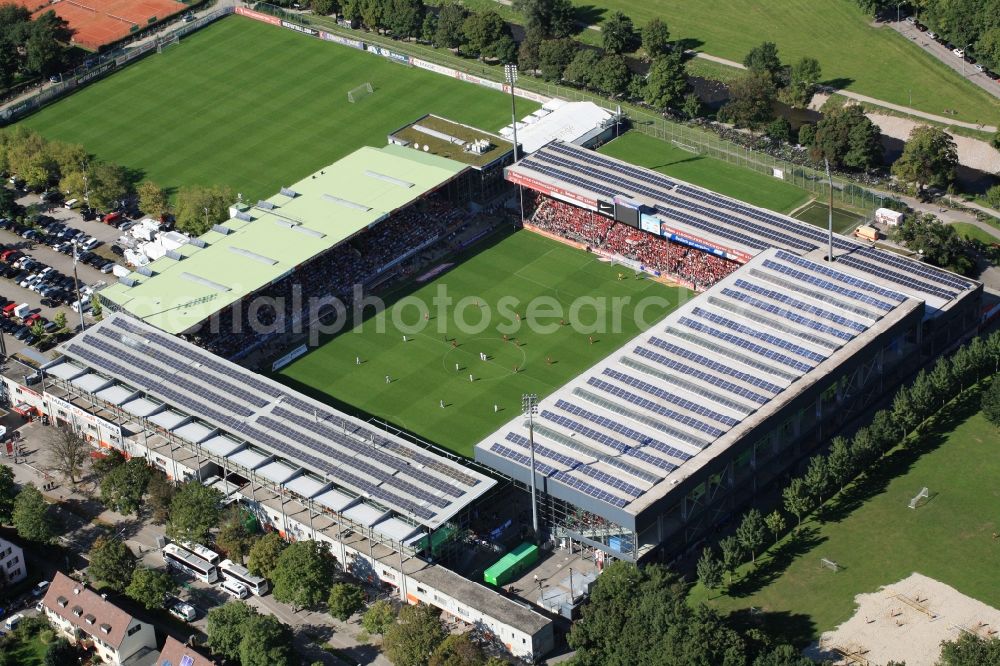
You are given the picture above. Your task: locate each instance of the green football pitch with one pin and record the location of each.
(708, 172)
(520, 269)
(874, 536)
(817, 213)
(255, 107)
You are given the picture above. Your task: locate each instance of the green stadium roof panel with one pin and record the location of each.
(290, 228)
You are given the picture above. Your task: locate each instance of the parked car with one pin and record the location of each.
(960, 53)
(39, 590)
(183, 611)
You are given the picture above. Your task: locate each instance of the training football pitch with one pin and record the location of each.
(708, 172)
(255, 107)
(523, 268)
(877, 540)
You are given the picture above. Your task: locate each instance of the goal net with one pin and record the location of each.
(164, 42)
(919, 498)
(359, 93)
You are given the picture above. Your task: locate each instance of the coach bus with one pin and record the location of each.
(204, 553)
(178, 558)
(232, 571)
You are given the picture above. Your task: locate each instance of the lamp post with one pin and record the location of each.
(529, 407)
(76, 285)
(829, 218)
(963, 58)
(510, 73)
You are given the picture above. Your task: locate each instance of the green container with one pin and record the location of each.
(511, 565)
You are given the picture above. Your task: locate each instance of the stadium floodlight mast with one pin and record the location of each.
(529, 406)
(510, 73)
(829, 211)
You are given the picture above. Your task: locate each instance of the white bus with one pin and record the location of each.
(232, 571)
(204, 553)
(178, 558)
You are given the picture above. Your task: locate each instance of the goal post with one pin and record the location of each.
(164, 42)
(919, 498)
(359, 93)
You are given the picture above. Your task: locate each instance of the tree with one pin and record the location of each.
(991, 402)
(903, 412)
(59, 653)
(38, 329)
(864, 146)
(429, 27)
(847, 138)
(323, 7)
(103, 465)
(60, 321)
(194, 510)
(929, 158)
(264, 554)
(159, 494)
(450, 32)
(9, 207)
(457, 650)
(656, 38)
(8, 493)
(778, 130)
(840, 462)
(764, 59)
(817, 478)
(807, 134)
(581, 70)
(943, 381)
(150, 587)
(302, 574)
(345, 600)
(751, 100)
(784, 655)
(527, 53)
(43, 54)
(666, 82)
(234, 536)
(225, 627)
(123, 487)
(30, 515)
(618, 34)
(611, 76)
(732, 554)
(562, 22)
(691, 107)
(372, 13)
(796, 499)
(379, 617)
(803, 81)
(554, 56)
(152, 198)
(111, 562)
(198, 208)
(775, 523)
(750, 533)
(108, 185)
(970, 650)
(68, 453)
(266, 642)
(405, 18)
(487, 35)
(414, 636)
(709, 569)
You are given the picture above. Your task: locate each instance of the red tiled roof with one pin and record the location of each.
(174, 653)
(86, 609)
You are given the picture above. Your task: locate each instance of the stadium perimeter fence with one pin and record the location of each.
(101, 65)
(688, 137)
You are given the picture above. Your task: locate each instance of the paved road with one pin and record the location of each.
(946, 56)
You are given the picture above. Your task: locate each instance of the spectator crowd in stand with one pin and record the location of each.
(598, 232)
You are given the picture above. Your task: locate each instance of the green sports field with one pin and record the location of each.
(255, 107)
(877, 539)
(816, 213)
(522, 267)
(874, 61)
(708, 172)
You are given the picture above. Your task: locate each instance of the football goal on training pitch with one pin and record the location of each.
(920, 498)
(359, 93)
(163, 42)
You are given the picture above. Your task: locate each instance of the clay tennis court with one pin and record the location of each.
(99, 22)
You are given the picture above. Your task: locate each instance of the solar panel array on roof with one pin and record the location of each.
(308, 435)
(730, 220)
(681, 386)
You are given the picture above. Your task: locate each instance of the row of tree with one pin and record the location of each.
(938, 243)
(827, 474)
(30, 48)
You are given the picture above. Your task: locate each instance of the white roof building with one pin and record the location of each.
(572, 122)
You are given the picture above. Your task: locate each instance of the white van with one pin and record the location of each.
(236, 589)
(12, 622)
(71, 203)
(22, 310)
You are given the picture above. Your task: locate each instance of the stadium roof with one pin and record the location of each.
(261, 423)
(712, 222)
(290, 228)
(620, 435)
(440, 136)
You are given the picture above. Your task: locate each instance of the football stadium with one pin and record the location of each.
(290, 357)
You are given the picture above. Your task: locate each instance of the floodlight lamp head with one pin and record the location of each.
(529, 404)
(510, 70)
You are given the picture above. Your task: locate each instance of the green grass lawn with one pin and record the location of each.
(877, 62)
(972, 231)
(522, 266)
(870, 531)
(708, 172)
(253, 106)
(817, 214)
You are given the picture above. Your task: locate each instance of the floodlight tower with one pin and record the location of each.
(510, 73)
(529, 407)
(829, 212)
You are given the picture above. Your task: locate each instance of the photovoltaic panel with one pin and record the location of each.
(523, 460)
(787, 314)
(596, 159)
(913, 266)
(781, 343)
(689, 405)
(896, 277)
(840, 277)
(606, 440)
(641, 439)
(743, 343)
(740, 311)
(581, 485)
(829, 286)
(654, 407)
(721, 368)
(801, 305)
(685, 383)
(714, 380)
(804, 289)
